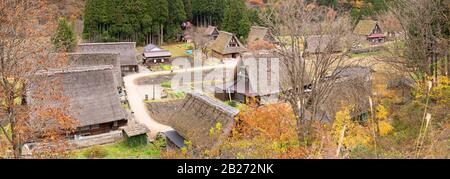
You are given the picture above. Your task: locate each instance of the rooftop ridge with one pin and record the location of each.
(106, 43)
(76, 69)
(228, 33)
(218, 105)
(95, 53)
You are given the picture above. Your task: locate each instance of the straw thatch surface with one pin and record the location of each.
(97, 59)
(210, 31)
(127, 50)
(194, 116)
(221, 44)
(250, 66)
(365, 27)
(92, 94)
(322, 44)
(353, 87)
(259, 33)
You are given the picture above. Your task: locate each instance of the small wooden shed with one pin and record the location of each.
(135, 134)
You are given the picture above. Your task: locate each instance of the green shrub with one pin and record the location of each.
(137, 141)
(231, 103)
(64, 40)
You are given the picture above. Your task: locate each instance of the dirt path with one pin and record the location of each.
(136, 101)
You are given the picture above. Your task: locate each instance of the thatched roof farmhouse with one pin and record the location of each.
(322, 44)
(369, 29)
(127, 51)
(353, 86)
(259, 33)
(246, 83)
(92, 96)
(227, 45)
(193, 117)
(211, 32)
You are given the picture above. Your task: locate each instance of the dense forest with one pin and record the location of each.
(157, 21)
(358, 9)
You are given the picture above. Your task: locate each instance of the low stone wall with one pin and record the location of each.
(84, 142)
(100, 139)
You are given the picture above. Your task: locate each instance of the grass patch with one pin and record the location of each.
(166, 84)
(231, 103)
(178, 50)
(120, 150)
(165, 67)
(176, 94)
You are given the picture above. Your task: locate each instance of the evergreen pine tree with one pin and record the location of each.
(177, 15)
(188, 9)
(236, 18)
(161, 15)
(244, 26)
(64, 40)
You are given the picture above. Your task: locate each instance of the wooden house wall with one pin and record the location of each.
(102, 128)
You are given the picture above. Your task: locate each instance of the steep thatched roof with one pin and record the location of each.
(91, 92)
(352, 87)
(246, 74)
(211, 30)
(222, 44)
(322, 44)
(259, 33)
(97, 59)
(196, 115)
(127, 50)
(365, 27)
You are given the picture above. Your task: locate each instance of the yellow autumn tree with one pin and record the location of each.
(383, 125)
(348, 132)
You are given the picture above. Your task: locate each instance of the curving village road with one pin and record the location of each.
(136, 98)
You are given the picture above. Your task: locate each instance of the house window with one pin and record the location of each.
(154, 61)
(115, 124)
(162, 60)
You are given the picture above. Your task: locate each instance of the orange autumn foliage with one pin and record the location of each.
(260, 45)
(256, 2)
(265, 132)
(272, 122)
(25, 28)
